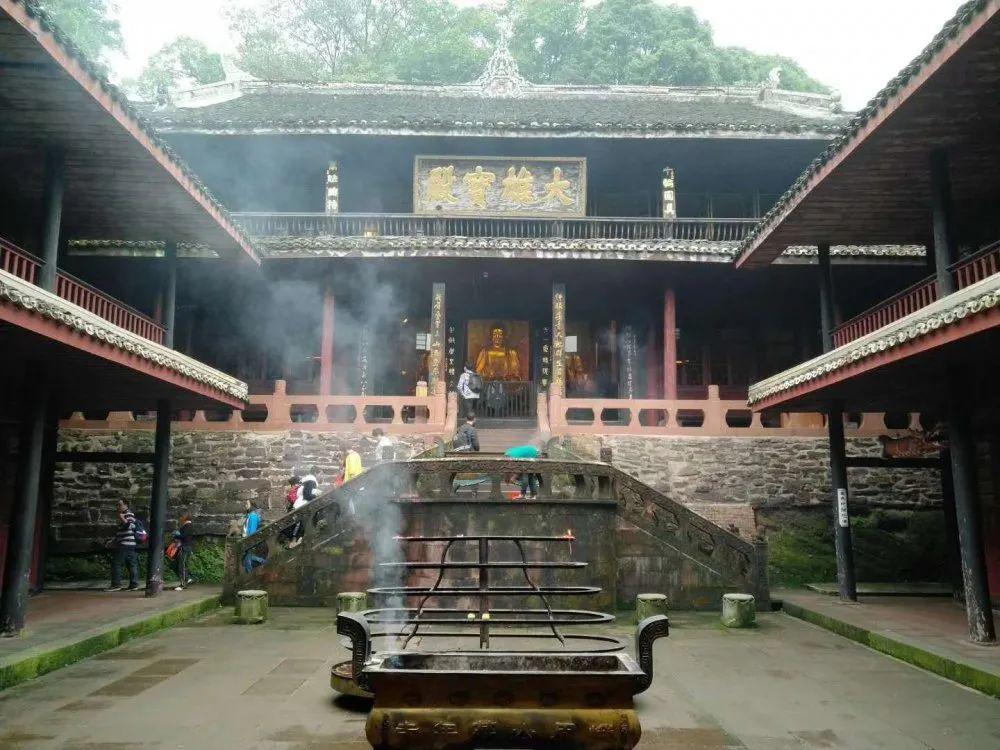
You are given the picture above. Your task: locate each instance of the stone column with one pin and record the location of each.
(326, 342)
(558, 383)
(52, 206)
(158, 501)
(436, 377)
(169, 293)
(17, 575)
(669, 345)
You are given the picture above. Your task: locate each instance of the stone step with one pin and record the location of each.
(497, 441)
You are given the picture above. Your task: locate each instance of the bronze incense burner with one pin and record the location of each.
(577, 695)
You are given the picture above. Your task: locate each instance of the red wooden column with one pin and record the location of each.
(669, 345)
(326, 343)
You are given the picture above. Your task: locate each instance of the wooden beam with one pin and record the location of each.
(103, 457)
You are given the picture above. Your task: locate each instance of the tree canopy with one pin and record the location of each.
(642, 42)
(90, 24)
(554, 41)
(183, 60)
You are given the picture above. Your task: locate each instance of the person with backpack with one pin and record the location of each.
(185, 539)
(129, 533)
(384, 448)
(470, 385)
(467, 439)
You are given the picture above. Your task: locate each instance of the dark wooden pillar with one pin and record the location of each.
(326, 342)
(950, 525)
(558, 386)
(846, 582)
(169, 293)
(961, 444)
(437, 365)
(827, 302)
(944, 252)
(17, 575)
(158, 499)
(52, 205)
(669, 345)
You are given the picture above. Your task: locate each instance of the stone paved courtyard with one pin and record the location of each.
(210, 684)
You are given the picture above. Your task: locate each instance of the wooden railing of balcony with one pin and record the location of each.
(410, 225)
(966, 271)
(16, 261)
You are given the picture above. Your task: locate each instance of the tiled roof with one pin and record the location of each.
(255, 106)
(962, 18)
(37, 11)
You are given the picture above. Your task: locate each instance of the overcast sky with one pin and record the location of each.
(855, 46)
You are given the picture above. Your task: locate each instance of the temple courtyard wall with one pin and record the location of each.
(778, 487)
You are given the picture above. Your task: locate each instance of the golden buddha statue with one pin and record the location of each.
(496, 361)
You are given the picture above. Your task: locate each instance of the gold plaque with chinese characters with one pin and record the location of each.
(500, 186)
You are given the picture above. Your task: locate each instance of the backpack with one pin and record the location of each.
(475, 382)
(141, 535)
(291, 496)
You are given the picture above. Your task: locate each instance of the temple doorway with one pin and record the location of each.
(500, 352)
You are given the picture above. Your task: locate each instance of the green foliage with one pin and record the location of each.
(89, 24)
(889, 546)
(184, 59)
(554, 41)
(206, 565)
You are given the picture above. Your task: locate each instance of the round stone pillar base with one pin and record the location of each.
(352, 601)
(647, 605)
(739, 610)
(251, 606)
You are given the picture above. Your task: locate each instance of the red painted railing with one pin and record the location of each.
(16, 261)
(967, 271)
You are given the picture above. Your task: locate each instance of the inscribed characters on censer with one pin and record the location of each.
(499, 186)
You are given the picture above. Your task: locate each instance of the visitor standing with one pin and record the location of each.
(124, 547)
(307, 492)
(352, 464)
(467, 439)
(185, 536)
(385, 450)
(527, 479)
(470, 385)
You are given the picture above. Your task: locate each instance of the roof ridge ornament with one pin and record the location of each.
(501, 77)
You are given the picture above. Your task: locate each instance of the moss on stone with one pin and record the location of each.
(964, 674)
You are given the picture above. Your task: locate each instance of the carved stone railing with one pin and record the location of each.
(25, 266)
(279, 411)
(259, 224)
(719, 558)
(966, 272)
(711, 417)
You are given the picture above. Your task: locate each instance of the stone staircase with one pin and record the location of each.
(492, 440)
(634, 538)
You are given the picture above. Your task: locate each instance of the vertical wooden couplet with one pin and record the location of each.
(17, 575)
(52, 206)
(436, 380)
(843, 541)
(158, 500)
(558, 385)
(326, 342)
(669, 345)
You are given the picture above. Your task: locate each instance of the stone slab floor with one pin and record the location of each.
(214, 685)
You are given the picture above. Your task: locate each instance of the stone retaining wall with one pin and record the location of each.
(761, 472)
(211, 475)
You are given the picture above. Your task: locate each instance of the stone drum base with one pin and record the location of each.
(251, 606)
(647, 605)
(739, 611)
